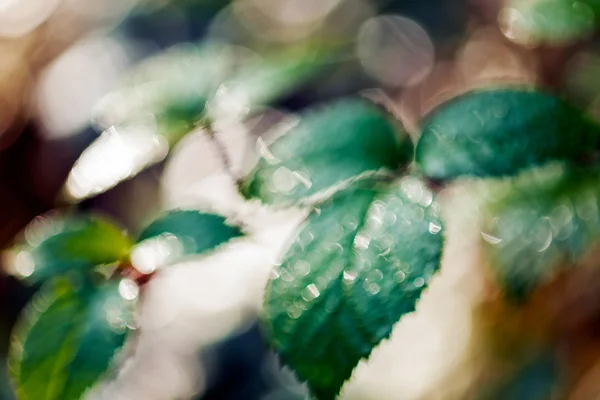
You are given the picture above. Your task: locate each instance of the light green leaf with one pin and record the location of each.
(495, 132)
(556, 22)
(328, 146)
(260, 82)
(180, 79)
(165, 98)
(161, 101)
(539, 222)
(55, 245)
(67, 338)
(358, 265)
(180, 233)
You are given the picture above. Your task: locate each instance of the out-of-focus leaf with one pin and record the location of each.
(259, 83)
(56, 245)
(159, 88)
(495, 132)
(165, 97)
(537, 379)
(327, 147)
(67, 338)
(180, 233)
(555, 22)
(542, 220)
(118, 154)
(160, 101)
(359, 264)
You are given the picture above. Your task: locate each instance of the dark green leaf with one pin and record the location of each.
(549, 21)
(498, 132)
(57, 245)
(327, 147)
(67, 339)
(359, 264)
(541, 221)
(180, 233)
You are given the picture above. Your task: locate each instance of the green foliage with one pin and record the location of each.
(67, 339)
(544, 219)
(167, 96)
(328, 146)
(55, 246)
(550, 21)
(495, 132)
(187, 232)
(358, 265)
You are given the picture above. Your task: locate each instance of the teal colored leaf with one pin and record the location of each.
(181, 233)
(537, 379)
(495, 132)
(556, 22)
(328, 146)
(357, 266)
(67, 338)
(57, 245)
(540, 222)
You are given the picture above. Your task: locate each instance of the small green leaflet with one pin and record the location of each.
(556, 22)
(67, 338)
(357, 266)
(329, 146)
(56, 245)
(542, 220)
(496, 132)
(180, 233)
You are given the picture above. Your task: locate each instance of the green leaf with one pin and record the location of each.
(495, 132)
(328, 146)
(67, 339)
(539, 222)
(556, 22)
(160, 101)
(358, 265)
(182, 77)
(180, 233)
(56, 245)
(165, 98)
(267, 79)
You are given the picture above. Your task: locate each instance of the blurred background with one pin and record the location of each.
(71, 68)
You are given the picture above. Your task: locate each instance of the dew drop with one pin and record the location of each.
(400, 276)
(294, 312)
(24, 265)
(349, 276)
(490, 238)
(302, 268)
(389, 218)
(434, 228)
(372, 288)
(128, 289)
(284, 180)
(311, 292)
(361, 241)
(419, 282)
